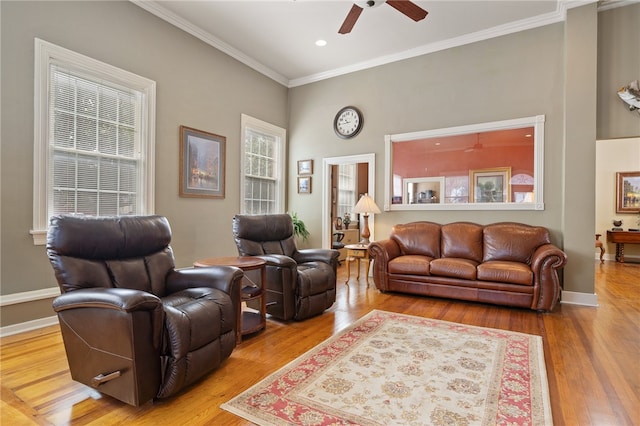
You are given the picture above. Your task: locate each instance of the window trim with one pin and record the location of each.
(45, 54)
(246, 121)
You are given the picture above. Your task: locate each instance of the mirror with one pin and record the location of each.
(486, 166)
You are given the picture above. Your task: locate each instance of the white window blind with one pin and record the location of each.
(95, 157)
(263, 165)
(347, 189)
(94, 143)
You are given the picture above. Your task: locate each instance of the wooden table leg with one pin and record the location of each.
(620, 252)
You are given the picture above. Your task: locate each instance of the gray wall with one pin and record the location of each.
(618, 65)
(197, 86)
(512, 76)
(549, 70)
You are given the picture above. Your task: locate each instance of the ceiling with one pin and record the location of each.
(277, 37)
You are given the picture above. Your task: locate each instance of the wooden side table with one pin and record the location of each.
(357, 252)
(248, 321)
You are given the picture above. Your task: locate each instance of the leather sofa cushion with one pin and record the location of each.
(463, 240)
(514, 242)
(410, 265)
(418, 238)
(505, 272)
(454, 267)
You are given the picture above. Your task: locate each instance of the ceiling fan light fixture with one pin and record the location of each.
(370, 4)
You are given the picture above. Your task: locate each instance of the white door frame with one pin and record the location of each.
(370, 159)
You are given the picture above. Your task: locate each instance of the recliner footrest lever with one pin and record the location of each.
(103, 378)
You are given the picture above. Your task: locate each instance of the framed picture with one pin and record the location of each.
(305, 167)
(491, 185)
(202, 163)
(628, 192)
(304, 185)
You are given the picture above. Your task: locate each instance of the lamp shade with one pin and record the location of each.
(366, 205)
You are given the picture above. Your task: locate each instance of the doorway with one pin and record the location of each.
(327, 164)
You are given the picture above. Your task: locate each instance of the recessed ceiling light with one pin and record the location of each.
(321, 43)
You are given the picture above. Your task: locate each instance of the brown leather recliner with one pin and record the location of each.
(133, 326)
(300, 283)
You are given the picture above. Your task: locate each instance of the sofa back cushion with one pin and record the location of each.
(515, 242)
(462, 240)
(421, 238)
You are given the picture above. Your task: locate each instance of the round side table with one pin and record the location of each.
(249, 322)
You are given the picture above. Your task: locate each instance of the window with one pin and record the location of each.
(94, 138)
(262, 186)
(347, 189)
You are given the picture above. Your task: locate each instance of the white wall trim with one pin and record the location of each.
(23, 327)
(583, 299)
(29, 296)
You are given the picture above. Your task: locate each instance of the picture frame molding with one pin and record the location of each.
(216, 147)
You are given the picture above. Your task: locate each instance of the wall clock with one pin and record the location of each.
(348, 122)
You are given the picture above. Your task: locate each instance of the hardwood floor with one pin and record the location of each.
(592, 358)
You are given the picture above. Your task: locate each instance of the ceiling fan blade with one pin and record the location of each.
(408, 8)
(350, 20)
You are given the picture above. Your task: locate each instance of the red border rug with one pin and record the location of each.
(395, 369)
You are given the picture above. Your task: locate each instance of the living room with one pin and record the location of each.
(569, 71)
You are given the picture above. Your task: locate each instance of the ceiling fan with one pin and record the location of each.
(405, 7)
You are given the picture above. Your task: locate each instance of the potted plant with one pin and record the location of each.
(299, 228)
(346, 221)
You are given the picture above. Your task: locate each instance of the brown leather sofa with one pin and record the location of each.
(133, 326)
(506, 263)
(300, 283)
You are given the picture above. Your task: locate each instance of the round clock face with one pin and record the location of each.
(348, 122)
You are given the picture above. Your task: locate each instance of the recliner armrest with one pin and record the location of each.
(123, 299)
(316, 255)
(223, 278)
(279, 260)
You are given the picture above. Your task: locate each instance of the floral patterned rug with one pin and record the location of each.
(395, 369)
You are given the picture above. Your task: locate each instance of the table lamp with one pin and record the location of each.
(366, 206)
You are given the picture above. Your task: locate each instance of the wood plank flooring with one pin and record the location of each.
(592, 357)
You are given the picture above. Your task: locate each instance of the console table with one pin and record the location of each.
(249, 322)
(620, 238)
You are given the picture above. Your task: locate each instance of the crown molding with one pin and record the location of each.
(559, 15)
(163, 13)
(510, 28)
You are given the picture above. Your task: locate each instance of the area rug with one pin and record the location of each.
(394, 369)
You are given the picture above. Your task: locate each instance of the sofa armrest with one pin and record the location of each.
(545, 262)
(382, 252)
(328, 256)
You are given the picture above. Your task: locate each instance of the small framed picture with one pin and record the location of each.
(304, 185)
(305, 167)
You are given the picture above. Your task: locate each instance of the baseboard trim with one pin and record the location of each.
(29, 296)
(583, 299)
(28, 326)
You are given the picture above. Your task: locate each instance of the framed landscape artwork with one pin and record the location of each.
(202, 163)
(304, 185)
(628, 192)
(305, 167)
